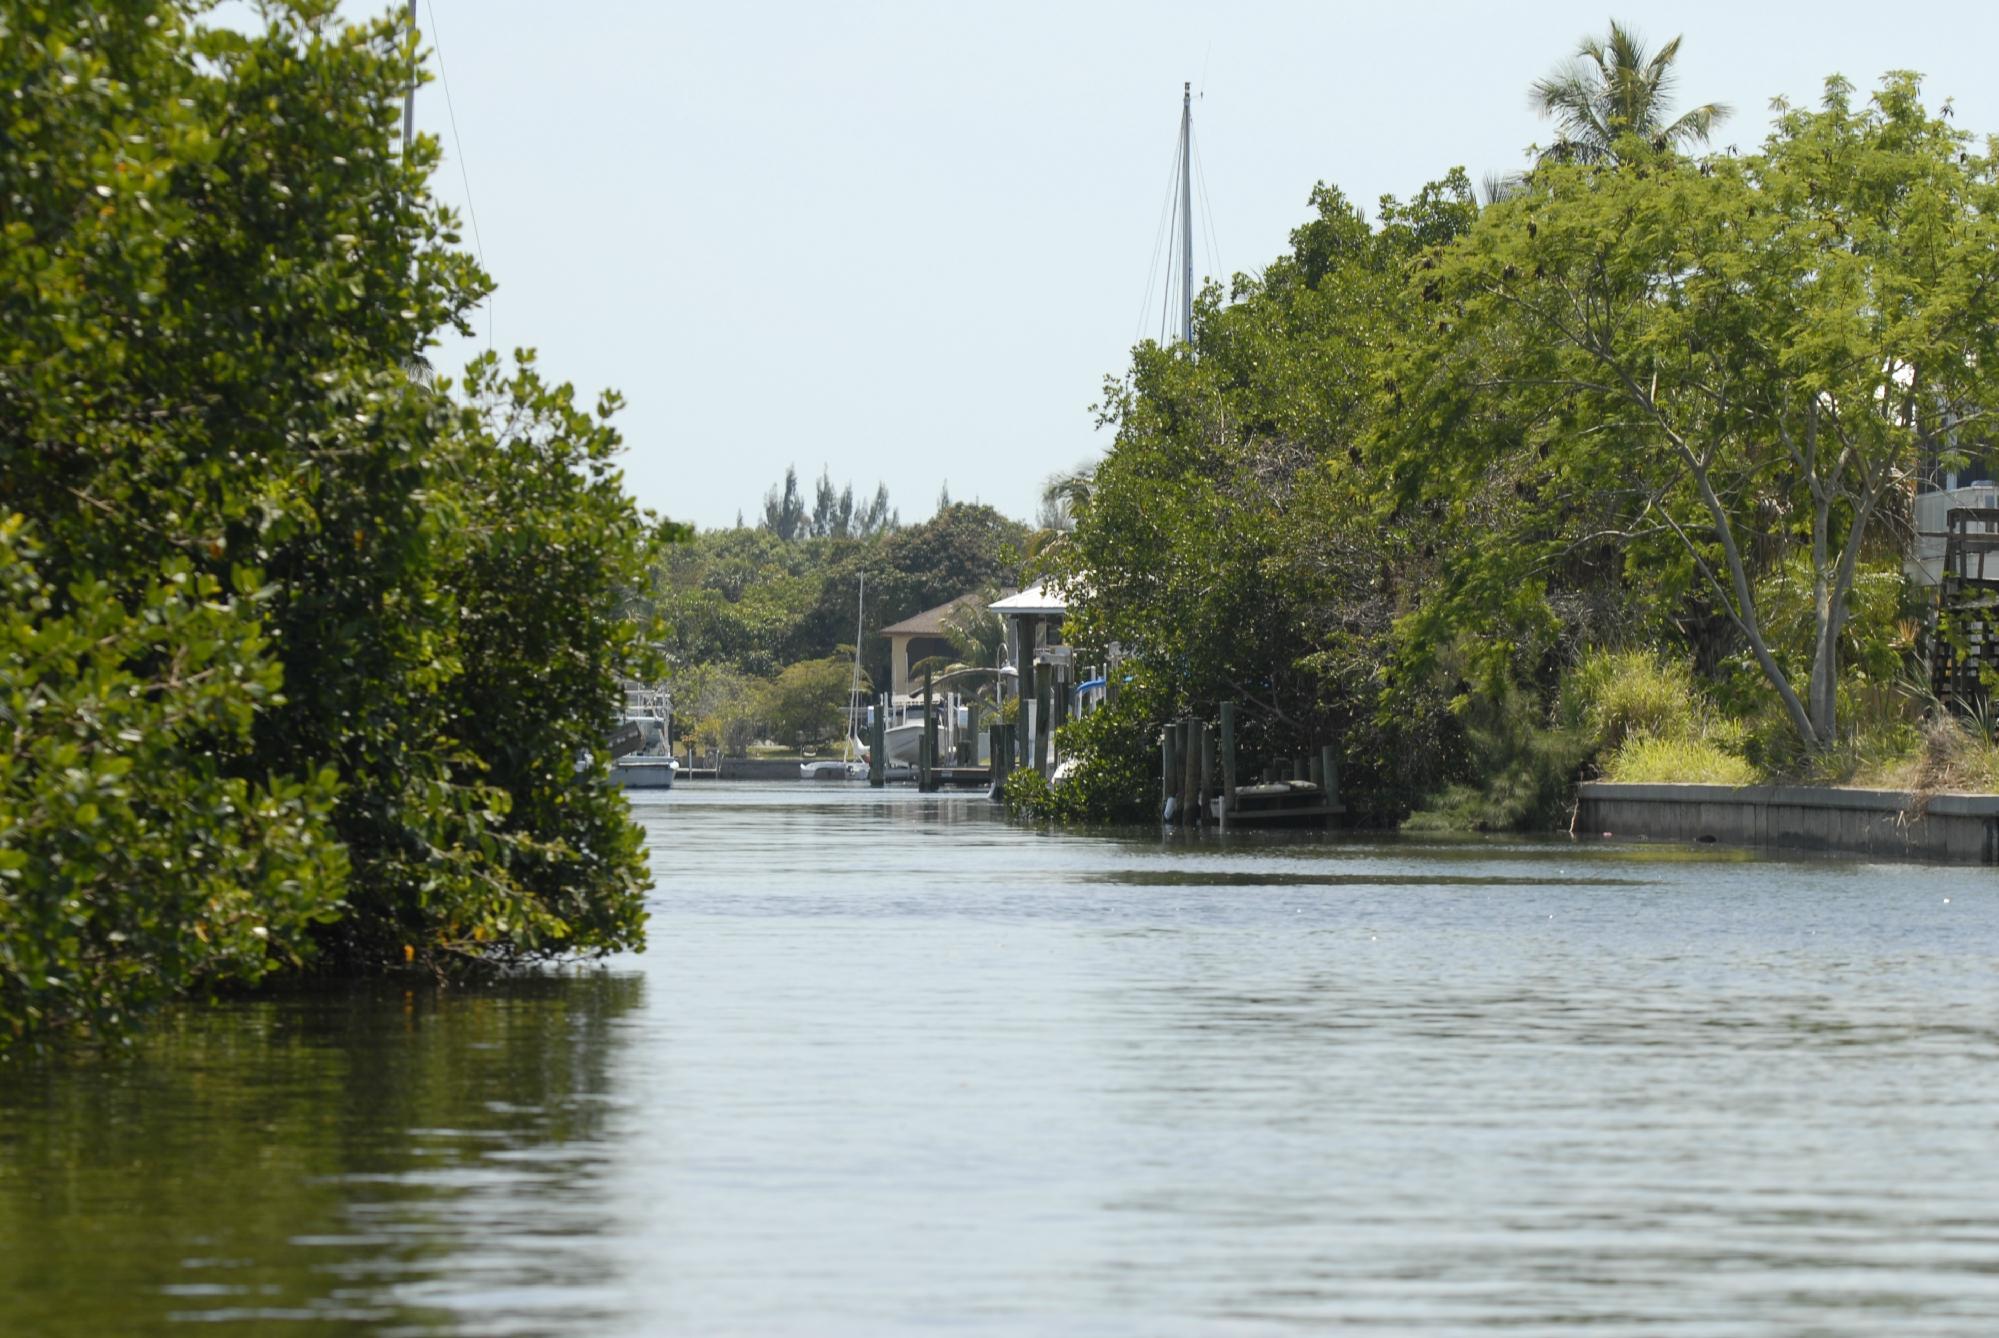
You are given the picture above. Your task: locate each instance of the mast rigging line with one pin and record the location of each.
(458, 145)
(1176, 231)
(1207, 213)
(1161, 235)
(1187, 213)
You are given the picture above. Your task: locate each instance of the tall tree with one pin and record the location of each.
(1611, 89)
(784, 509)
(248, 555)
(1718, 362)
(1226, 540)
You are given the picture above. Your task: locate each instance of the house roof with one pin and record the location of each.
(930, 622)
(1036, 599)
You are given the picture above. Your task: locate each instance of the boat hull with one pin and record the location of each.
(644, 773)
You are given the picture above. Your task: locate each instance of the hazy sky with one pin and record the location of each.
(907, 242)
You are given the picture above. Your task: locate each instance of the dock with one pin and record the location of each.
(1199, 785)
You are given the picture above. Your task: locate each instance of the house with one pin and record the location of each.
(918, 638)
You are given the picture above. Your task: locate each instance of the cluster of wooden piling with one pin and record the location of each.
(1199, 783)
(1028, 740)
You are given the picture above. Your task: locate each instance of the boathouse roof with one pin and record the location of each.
(1037, 599)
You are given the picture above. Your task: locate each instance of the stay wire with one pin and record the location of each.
(1166, 292)
(458, 145)
(1161, 235)
(1207, 212)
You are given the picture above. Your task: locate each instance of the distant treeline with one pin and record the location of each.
(741, 607)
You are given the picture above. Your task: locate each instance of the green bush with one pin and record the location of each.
(1524, 770)
(1613, 695)
(218, 268)
(131, 865)
(1113, 757)
(1644, 757)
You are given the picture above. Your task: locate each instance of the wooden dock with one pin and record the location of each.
(1198, 781)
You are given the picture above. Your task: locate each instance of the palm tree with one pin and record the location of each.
(1061, 493)
(1610, 89)
(978, 639)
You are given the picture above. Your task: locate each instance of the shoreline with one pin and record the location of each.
(1950, 828)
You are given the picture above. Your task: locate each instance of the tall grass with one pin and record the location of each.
(1628, 715)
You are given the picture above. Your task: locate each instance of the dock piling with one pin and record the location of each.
(878, 744)
(1228, 757)
(1190, 772)
(1043, 684)
(927, 754)
(1207, 790)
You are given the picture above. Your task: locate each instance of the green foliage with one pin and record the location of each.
(1231, 540)
(1611, 91)
(216, 270)
(718, 707)
(1111, 759)
(1613, 696)
(804, 703)
(1628, 714)
(833, 514)
(1518, 773)
(1767, 348)
(131, 865)
(752, 601)
(1645, 757)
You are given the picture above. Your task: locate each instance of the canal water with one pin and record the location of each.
(892, 1066)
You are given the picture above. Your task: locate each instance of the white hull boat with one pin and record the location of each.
(639, 772)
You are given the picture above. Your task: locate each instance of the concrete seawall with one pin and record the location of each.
(1953, 828)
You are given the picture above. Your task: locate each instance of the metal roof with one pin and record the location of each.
(1036, 599)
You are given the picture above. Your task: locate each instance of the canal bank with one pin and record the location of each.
(1950, 828)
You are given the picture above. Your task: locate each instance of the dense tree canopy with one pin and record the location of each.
(1719, 362)
(751, 600)
(1228, 541)
(306, 652)
(1453, 486)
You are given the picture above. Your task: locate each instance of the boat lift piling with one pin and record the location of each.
(878, 743)
(1198, 780)
(926, 749)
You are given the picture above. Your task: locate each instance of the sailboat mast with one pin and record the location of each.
(854, 684)
(409, 96)
(1186, 212)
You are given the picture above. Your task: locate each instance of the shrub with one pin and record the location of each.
(1612, 695)
(131, 865)
(1645, 757)
(1111, 771)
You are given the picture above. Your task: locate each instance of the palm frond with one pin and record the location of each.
(1611, 88)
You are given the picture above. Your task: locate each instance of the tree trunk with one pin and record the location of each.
(1822, 696)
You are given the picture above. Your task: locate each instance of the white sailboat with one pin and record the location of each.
(853, 763)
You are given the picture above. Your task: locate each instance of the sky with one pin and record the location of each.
(907, 242)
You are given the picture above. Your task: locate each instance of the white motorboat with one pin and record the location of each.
(644, 741)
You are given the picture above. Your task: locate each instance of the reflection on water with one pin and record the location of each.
(314, 1161)
(891, 1065)
(1199, 877)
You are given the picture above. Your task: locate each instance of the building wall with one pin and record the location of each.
(907, 650)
